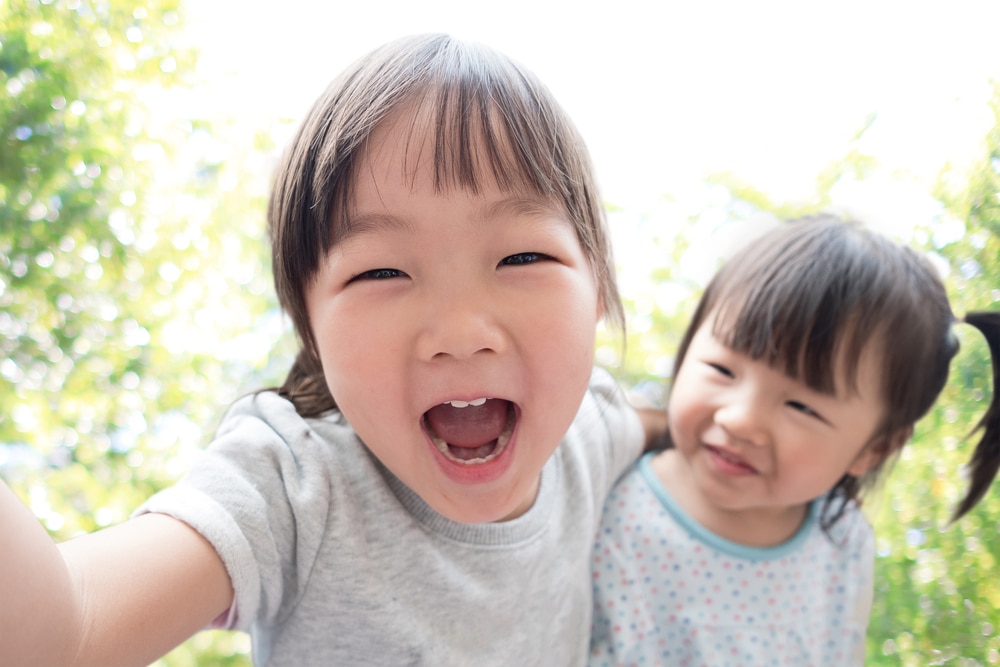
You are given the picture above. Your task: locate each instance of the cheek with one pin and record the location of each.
(683, 397)
(678, 417)
(560, 330)
(689, 411)
(347, 348)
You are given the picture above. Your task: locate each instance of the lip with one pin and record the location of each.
(729, 463)
(480, 471)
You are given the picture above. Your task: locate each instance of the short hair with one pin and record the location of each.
(479, 104)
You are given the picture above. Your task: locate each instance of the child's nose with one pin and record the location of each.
(460, 324)
(743, 418)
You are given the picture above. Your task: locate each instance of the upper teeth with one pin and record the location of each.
(464, 404)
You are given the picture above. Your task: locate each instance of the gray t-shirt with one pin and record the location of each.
(334, 561)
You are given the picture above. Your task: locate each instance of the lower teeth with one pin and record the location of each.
(479, 454)
(471, 454)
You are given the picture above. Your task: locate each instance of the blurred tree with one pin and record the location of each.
(134, 296)
(937, 599)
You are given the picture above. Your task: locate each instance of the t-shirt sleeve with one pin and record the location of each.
(259, 497)
(616, 427)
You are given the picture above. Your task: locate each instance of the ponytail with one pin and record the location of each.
(985, 459)
(305, 386)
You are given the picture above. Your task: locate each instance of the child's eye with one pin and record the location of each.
(722, 370)
(377, 274)
(804, 409)
(523, 258)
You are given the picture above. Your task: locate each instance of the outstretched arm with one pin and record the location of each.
(121, 596)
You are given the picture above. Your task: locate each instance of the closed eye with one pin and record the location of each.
(524, 258)
(804, 409)
(722, 370)
(377, 274)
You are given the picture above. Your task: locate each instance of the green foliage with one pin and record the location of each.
(134, 299)
(937, 599)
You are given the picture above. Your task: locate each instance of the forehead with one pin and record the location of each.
(402, 146)
(399, 153)
(453, 145)
(419, 150)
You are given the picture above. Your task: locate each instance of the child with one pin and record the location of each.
(812, 354)
(423, 487)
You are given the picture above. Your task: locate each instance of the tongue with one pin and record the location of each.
(472, 426)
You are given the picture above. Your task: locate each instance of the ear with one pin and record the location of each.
(877, 451)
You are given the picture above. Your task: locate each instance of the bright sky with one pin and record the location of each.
(663, 91)
(666, 92)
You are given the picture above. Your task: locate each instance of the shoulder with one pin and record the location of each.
(849, 542)
(604, 388)
(266, 407)
(266, 420)
(852, 527)
(859, 532)
(264, 453)
(605, 411)
(605, 437)
(263, 493)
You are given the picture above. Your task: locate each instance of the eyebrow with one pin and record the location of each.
(369, 223)
(523, 207)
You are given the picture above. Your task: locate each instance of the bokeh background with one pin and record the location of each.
(137, 141)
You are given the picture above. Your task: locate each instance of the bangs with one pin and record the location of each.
(806, 306)
(478, 120)
(493, 120)
(481, 129)
(804, 339)
(487, 144)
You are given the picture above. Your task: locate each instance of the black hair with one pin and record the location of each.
(813, 293)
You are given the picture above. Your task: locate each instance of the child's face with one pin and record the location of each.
(757, 440)
(455, 297)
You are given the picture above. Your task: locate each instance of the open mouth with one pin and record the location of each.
(471, 432)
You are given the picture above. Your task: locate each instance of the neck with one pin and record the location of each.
(752, 527)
